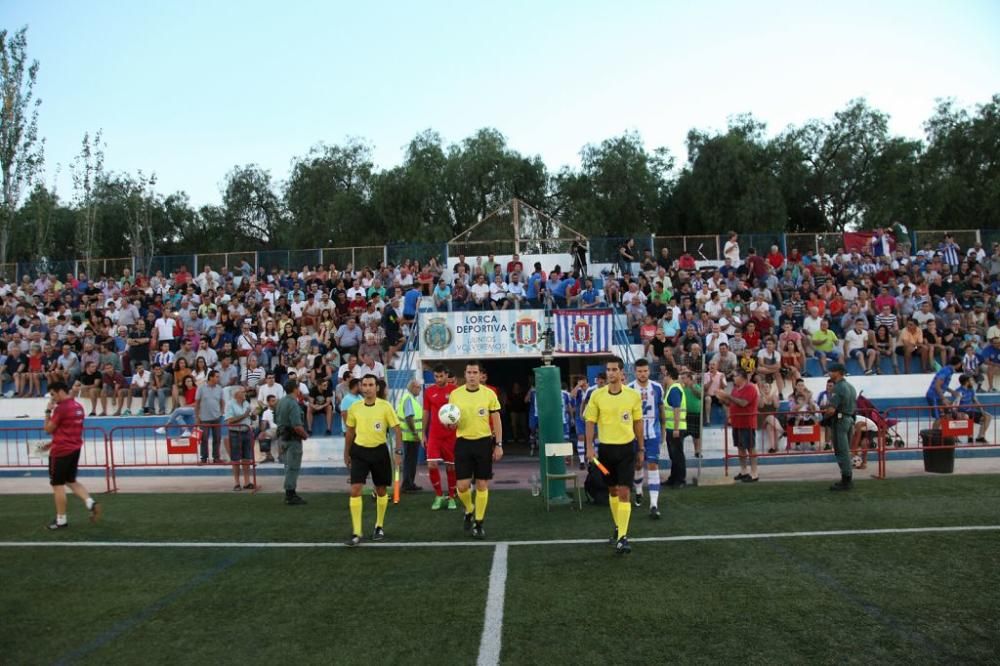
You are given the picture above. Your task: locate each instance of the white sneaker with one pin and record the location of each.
(186, 433)
(9, 394)
(160, 431)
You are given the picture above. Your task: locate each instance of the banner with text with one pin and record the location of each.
(483, 334)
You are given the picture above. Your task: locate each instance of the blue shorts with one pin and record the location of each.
(932, 400)
(652, 450)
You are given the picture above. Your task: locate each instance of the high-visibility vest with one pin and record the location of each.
(418, 418)
(669, 424)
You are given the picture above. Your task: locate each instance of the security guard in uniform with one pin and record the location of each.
(841, 410)
(410, 411)
(291, 431)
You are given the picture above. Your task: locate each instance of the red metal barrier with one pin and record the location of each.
(804, 436)
(909, 422)
(144, 446)
(17, 444)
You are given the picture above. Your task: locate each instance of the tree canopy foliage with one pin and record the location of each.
(846, 171)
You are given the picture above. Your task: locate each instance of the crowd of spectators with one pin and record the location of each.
(137, 344)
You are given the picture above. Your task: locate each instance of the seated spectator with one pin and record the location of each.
(726, 360)
(139, 386)
(160, 388)
(516, 294)
(498, 294)
(442, 296)
(460, 295)
(885, 345)
(911, 341)
(825, 344)
(184, 413)
(349, 337)
(320, 401)
(480, 293)
(113, 384)
(858, 345)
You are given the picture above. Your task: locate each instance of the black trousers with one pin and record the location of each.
(678, 463)
(411, 454)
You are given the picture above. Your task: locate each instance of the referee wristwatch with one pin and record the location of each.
(497, 443)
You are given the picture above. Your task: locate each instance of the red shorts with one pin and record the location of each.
(441, 449)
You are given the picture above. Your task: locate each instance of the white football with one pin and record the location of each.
(449, 414)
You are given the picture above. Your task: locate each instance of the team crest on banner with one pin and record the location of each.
(526, 332)
(437, 334)
(583, 331)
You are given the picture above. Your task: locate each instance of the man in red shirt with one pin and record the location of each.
(440, 441)
(742, 401)
(64, 421)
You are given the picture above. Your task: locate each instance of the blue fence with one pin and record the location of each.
(602, 250)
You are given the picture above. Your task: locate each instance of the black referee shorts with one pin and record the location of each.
(371, 460)
(62, 470)
(619, 459)
(474, 458)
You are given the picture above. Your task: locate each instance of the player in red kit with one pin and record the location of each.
(440, 441)
(64, 421)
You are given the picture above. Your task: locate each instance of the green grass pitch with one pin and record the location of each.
(868, 598)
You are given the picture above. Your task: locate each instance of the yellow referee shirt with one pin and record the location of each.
(476, 407)
(371, 423)
(615, 414)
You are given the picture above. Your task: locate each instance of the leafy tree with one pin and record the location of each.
(21, 156)
(252, 209)
(88, 175)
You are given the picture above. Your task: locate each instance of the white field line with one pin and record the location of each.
(489, 644)
(493, 544)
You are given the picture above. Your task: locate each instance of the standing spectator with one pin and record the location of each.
(626, 257)
(64, 421)
(268, 431)
(138, 344)
(208, 408)
(578, 250)
(950, 251)
(731, 250)
(238, 420)
(742, 403)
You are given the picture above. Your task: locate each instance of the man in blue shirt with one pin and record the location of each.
(989, 357)
(410, 300)
(936, 397)
(589, 297)
(535, 286)
(970, 407)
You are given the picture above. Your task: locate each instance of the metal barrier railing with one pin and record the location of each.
(946, 428)
(182, 445)
(17, 451)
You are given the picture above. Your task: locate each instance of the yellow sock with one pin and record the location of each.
(482, 497)
(466, 498)
(356, 505)
(381, 504)
(613, 501)
(624, 513)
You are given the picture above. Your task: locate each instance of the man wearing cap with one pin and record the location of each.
(841, 410)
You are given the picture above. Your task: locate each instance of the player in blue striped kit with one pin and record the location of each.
(581, 394)
(653, 417)
(567, 413)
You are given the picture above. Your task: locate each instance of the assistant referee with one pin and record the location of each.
(477, 446)
(366, 452)
(616, 410)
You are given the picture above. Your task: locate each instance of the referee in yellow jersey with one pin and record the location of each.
(478, 444)
(616, 410)
(366, 452)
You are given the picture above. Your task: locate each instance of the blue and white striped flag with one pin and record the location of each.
(583, 331)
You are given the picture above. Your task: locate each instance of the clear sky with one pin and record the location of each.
(189, 89)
